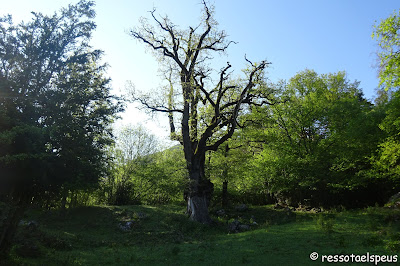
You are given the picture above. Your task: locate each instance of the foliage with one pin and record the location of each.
(386, 162)
(142, 174)
(233, 164)
(55, 107)
(387, 35)
(317, 140)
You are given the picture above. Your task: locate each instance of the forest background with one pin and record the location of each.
(310, 139)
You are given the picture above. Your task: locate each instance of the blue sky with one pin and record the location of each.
(327, 36)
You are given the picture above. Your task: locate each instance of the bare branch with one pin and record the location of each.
(156, 108)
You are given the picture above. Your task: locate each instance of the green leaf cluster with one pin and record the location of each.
(316, 140)
(55, 104)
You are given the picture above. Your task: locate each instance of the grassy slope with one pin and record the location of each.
(90, 236)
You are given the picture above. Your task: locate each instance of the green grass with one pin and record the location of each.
(90, 236)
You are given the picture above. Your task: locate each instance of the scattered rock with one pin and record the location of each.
(253, 220)
(220, 212)
(233, 227)
(32, 224)
(236, 227)
(141, 215)
(126, 226)
(394, 201)
(241, 207)
(244, 227)
(28, 223)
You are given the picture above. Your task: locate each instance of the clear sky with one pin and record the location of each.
(324, 35)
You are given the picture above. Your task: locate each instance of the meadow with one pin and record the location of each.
(163, 235)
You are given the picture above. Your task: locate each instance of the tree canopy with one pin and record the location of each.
(387, 35)
(55, 106)
(208, 112)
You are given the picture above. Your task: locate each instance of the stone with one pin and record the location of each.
(253, 220)
(220, 212)
(244, 227)
(126, 226)
(233, 227)
(32, 224)
(141, 215)
(28, 223)
(241, 207)
(236, 227)
(394, 201)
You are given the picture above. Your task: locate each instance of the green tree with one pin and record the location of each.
(132, 152)
(387, 35)
(208, 112)
(55, 110)
(140, 172)
(230, 169)
(388, 160)
(317, 139)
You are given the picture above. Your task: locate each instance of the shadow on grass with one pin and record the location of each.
(163, 235)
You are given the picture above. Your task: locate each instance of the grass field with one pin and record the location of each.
(164, 236)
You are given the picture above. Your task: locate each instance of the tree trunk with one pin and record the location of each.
(199, 194)
(9, 226)
(225, 193)
(198, 208)
(225, 178)
(64, 201)
(74, 200)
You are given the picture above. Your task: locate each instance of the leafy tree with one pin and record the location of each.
(140, 172)
(387, 161)
(317, 140)
(208, 113)
(387, 34)
(55, 109)
(133, 149)
(161, 178)
(134, 142)
(230, 169)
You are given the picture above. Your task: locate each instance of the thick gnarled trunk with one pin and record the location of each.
(209, 115)
(197, 207)
(199, 193)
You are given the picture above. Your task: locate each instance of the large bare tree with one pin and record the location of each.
(208, 111)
